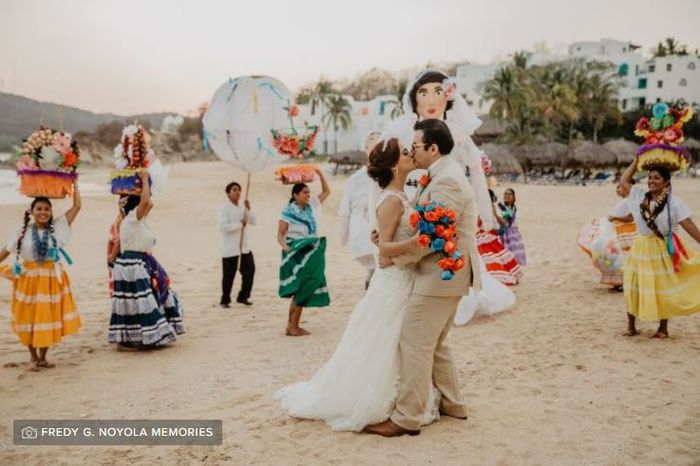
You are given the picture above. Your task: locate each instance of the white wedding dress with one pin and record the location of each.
(358, 385)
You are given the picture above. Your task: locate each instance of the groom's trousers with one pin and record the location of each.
(426, 360)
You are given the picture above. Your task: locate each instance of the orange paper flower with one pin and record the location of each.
(424, 180)
(431, 216)
(423, 241)
(450, 247)
(414, 218)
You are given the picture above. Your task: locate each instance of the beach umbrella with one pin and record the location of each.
(590, 155)
(623, 149)
(503, 162)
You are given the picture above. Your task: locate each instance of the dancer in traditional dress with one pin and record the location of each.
(508, 220)
(302, 271)
(661, 275)
(499, 261)
(43, 309)
(146, 312)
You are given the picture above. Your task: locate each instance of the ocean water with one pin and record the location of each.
(9, 188)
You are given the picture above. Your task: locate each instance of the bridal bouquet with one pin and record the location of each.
(436, 229)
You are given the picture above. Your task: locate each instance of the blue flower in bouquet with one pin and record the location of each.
(437, 244)
(419, 209)
(456, 255)
(659, 110)
(429, 207)
(447, 275)
(445, 220)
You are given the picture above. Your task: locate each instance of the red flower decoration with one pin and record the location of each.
(293, 110)
(424, 180)
(423, 241)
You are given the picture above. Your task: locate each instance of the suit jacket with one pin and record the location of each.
(448, 185)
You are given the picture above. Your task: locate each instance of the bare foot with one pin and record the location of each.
(630, 332)
(296, 332)
(660, 334)
(33, 366)
(46, 364)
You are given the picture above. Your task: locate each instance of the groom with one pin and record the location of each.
(425, 357)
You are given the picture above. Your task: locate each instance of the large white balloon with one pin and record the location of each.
(240, 118)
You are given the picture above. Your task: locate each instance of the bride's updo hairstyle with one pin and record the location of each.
(382, 159)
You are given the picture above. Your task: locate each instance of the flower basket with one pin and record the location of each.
(293, 174)
(46, 183)
(674, 158)
(126, 181)
(663, 134)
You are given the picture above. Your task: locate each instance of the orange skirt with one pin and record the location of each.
(43, 310)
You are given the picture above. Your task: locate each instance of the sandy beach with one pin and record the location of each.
(550, 382)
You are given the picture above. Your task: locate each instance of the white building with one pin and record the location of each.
(643, 80)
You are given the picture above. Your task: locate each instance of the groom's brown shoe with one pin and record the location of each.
(388, 429)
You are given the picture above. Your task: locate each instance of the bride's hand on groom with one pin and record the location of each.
(385, 262)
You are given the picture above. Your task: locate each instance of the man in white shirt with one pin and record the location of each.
(354, 215)
(233, 221)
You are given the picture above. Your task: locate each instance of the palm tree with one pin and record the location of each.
(556, 97)
(338, 115)
(320, 94)
(602, 104)
(670, 46)
(508, 94)
(520, 59)
(400, 89)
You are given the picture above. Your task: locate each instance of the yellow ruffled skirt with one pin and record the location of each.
(43, 310)
(653, 290)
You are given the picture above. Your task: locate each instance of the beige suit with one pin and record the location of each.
(425, 357)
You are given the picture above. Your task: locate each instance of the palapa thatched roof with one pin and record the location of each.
(551, 154)
(503, 162)
(623, 149)
(349, 157)
(590, 155)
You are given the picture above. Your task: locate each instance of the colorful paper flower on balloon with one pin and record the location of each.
(133, 151)
(436, 229)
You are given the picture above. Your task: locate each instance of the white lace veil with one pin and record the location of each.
(462, 121)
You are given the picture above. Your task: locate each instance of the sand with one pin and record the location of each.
(549, 382)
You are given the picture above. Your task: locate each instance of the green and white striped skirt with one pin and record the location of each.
(302, 272)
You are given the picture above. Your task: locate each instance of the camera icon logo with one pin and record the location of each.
(29, 433)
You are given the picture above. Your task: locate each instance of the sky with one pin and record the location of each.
(137, 56)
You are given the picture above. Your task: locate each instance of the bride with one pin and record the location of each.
(358, 385)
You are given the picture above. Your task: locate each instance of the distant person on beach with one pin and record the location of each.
(354, 216)
(661, 275)
(500, 263)
(43, 309)
(302, 271)
(235, 250)
(146, 312)
(508, 220)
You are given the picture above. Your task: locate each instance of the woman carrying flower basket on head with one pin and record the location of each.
(302, 271)
(43, 309)
(661, 274)
(146, 312)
